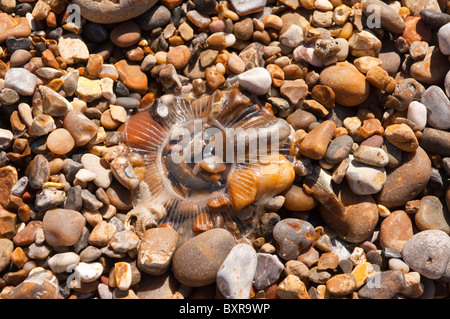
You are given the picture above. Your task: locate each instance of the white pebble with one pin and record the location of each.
(324, 5)
(398, 264)
(235, 275)
(63, 262)
(444, 39)
(292, 37)
(417, 112)
(107, 85)
(257, 80)
(88, 272)
(85, 175)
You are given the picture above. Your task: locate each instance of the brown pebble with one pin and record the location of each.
(341, 284)
(395, 230)
(125, 34)
(315, 143)
(60, 141)
(179, 56)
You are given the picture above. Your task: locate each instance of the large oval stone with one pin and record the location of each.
(348, 84)
(432, 215)
(428, 253)
(395, 230)
(407, 180)
(196, 262)
(62, 227)
(107, 11)
(390, 20)
(359, 220)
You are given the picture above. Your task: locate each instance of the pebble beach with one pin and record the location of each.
(352, 204)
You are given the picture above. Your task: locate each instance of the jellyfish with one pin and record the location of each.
(211, 161)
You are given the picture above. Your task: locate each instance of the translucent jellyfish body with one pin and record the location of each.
(213, 161)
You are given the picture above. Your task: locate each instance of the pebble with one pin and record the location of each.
(196, 264)
(88, 272)
(72, 48)
(315, 143)
(268, 270)
(300, 234)
(338, 149)
(41, 284)
(417, 112)
(432, 69)
(417, 6)
(59, 233)
(244, 8)
(63, 262)
(398, 189)
(296, 199)
(257, 80)
(301, 119)
(100, 13)
(372, 156)
(235, 275)
(395, 230)
(132, 76)
(435, 141)
(364, 179)
(431, 215)
(156, 250)
(125, 34)
(438, 107)
(13, 27)
(358, 223)
(341, 284)
(434, 20)
(179, 56)
(376, 287)
(6, 249)
(292, 288)
(157, 16)
(427, 253)
(390, 20)
(21, 81)
(348, 84)
(80, 127)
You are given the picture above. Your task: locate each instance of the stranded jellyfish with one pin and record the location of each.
(210, 162)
